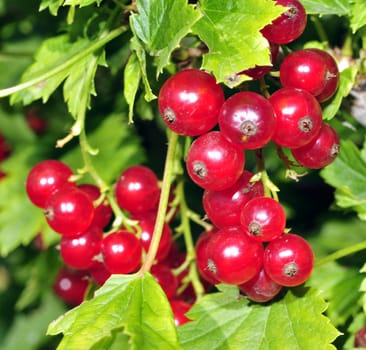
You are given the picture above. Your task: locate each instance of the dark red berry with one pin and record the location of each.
(360, 338)
(189, 102)
(321, 151)
(180, 308)
(247, 119)
(213, 162)
(288, 260)
(99, 273)
(166, 279)
(137, 189)
(45, 178)
(223, 208)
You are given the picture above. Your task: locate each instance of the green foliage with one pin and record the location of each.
(226, 321)
(135, 304)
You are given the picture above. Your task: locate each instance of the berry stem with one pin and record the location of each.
(270, 189)
(163, 203)
(341, 253)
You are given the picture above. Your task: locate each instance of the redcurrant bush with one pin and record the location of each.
(213, 162)
(189, 102)
(288, 260)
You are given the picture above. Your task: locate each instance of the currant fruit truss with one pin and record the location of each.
(245, 240)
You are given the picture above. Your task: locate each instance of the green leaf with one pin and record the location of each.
(347, 174)
(135, 304)
(358, 18)
(81, 3)
(118, 147)
(132, 77)
(52, 5)
(346, 81)
(327, 7)
(231, 31)
(28, 330)
(161, 25)
(225, 321)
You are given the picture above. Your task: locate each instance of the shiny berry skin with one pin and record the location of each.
(103, 211)
(261, 288)
(201, 257)
(45, 178)
(213, 162)
(180, 308)
(288, 260)
(79, 252)
(71, 286)
(166, 279)
(263, 219)
(189, 102)
(289, 25)
(332, 78)
(247, 119)
(304, 69)
(147, 224)
(122, 252)
(233, 257)
(321, 151)
(298, 117)
(99, 273)
(69, 211)
(137, 189)
(223, 208)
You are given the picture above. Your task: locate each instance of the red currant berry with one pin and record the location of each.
(103, 211)
(71, 286)
(332, 78)
(263, 219)
(166, 279)
(99, 273)
(147, 224)
(247, 119)
(233, 257)
(260, 288)
(298, 117)
(180, 308)
(202, 258)
(288, 260)
(223, 208)
(321, 151)
(304, 69)
(69, 211)
(288, 26)
(45, 178)
(360, 338)
(38, 124)
(5, 148)
(189, 102)
(122, 252)
(137, 189)
(78, 252)
(213, 162)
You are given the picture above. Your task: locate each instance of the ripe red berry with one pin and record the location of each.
(189, 102)
(69, 211)
(247, 119)
(137, 189)
(298, 117)
(71, 286)
(103, 211)
(166, 279)
(304, 69)
(122, 252)
(321, 151)
(180, 308)
(79, 252)
(261, 288)
(45, 178)
(223, 208)
(233, 257)
(288, 260)
(289, 25)
(213, 162)
(360, 338)
(99, 273)
(263, 219)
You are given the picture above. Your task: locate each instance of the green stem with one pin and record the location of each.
(320, 29)
(341, 253)
(163, 204)
(96, 45)
(270, 189)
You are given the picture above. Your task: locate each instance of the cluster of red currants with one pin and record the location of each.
(81, 214)
(249, 245)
